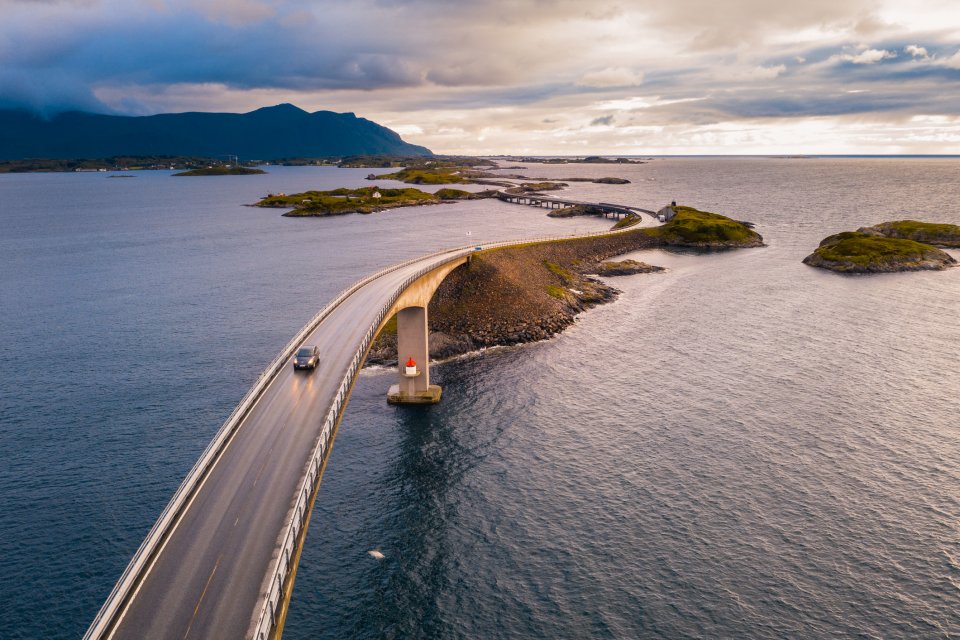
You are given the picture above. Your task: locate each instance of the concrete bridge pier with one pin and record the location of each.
(414, 385)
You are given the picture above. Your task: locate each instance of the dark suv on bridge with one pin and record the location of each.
(308, 357)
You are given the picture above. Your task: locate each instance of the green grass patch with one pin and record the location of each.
(556, 292)
(557, 270)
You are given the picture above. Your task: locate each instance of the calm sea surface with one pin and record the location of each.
(741, 447)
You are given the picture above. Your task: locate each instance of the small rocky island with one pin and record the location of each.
(905, 245)
(531, 292)
(362, 200)
(221, 170)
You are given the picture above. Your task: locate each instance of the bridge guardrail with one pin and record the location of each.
(141, 562)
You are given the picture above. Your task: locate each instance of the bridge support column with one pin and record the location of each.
(414, 386)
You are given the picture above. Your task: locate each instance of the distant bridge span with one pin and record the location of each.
(221, 560)
(552, 202)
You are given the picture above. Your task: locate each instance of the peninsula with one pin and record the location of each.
(531, 292)
(905, 245)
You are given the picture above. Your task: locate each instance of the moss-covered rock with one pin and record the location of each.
(863, 252)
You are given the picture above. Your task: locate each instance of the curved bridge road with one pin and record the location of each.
(207, 579)
(205, 569)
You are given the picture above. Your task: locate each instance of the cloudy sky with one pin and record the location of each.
(512, 76)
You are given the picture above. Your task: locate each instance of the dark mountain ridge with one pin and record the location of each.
(281, 131)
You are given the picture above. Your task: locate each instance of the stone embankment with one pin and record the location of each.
(519, 294)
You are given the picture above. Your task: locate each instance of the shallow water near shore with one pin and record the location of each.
(742, 446)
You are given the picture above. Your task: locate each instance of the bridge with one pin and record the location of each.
(550, 202)
(221, 560)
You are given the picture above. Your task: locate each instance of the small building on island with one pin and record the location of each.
(667, 213)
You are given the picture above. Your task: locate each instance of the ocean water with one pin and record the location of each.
(741, 446)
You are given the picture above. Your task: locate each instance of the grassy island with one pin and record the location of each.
(362, 200)
(868, 251)
(427, 176)
(221, 171)
(701, 229)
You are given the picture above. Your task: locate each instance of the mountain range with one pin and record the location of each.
(281, 131)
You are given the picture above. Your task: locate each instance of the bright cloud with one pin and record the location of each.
(611, 77)
(867, 56)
